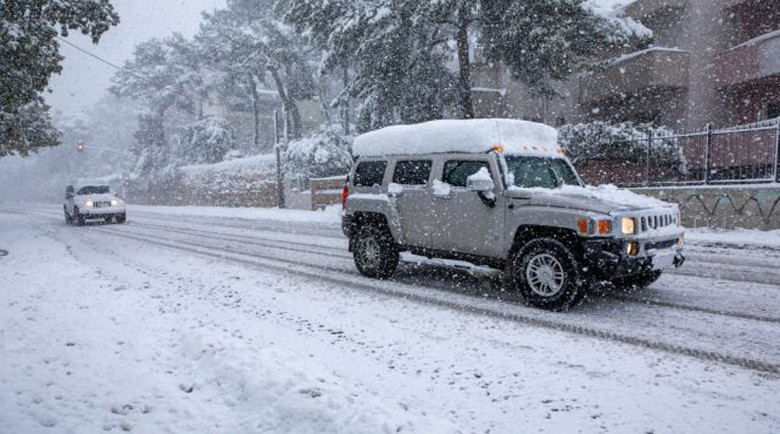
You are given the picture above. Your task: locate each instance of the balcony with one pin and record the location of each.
(755, 59)
(641, 9)
(646, 70)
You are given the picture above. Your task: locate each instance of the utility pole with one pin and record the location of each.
(278, 149)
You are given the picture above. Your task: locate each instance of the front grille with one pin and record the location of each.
(656, 221)
(660, 245)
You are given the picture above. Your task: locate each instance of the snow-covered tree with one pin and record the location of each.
(150, 146)
(545, 41)
(320, 155)
(205, 141)
(29, 55)
(246, 38)
(164, 73)
(398, 60)
(540, 41)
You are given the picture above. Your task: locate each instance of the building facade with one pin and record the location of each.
(711, 61)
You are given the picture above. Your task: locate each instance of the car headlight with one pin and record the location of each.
(628, 225)
(114, 202)
(89, 204)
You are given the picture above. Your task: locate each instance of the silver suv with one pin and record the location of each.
(500, 193)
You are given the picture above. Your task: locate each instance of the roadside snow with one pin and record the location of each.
(734, 237)
(114, 335)
(450, 135)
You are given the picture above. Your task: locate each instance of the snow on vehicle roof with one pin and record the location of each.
(459, 135)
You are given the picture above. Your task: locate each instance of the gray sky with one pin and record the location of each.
(85, 79)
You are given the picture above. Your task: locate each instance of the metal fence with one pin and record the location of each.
(735, 155)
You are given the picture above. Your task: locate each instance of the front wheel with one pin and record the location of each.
(638, 281)
(121, 218)
(68, 219)
(375, 252)
(78, 218)
(546, 274)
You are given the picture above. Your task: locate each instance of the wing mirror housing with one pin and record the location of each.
(482, 183)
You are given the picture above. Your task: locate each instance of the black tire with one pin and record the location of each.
(78, 218)
(376, 254)
(68, 220)
(547, 275)
(121, 218)
(638, 281)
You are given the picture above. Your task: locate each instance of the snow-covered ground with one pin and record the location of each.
(243, 321)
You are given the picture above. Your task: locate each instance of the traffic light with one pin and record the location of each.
(80, 146)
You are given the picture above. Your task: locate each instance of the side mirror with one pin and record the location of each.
(480, 182)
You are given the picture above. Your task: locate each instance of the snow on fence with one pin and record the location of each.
(736, 155)
(326, 191)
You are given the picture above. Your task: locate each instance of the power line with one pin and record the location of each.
(119, 68)
(93, 55)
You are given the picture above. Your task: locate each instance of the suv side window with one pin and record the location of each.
(412, 172)
(457, 171)
(370, 173)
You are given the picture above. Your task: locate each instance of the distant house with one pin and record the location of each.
(712, 61)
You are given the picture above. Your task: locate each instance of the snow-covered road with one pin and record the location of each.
(183, 321)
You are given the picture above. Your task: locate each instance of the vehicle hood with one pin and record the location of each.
(604, 199)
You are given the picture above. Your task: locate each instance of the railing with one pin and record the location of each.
(745, 154)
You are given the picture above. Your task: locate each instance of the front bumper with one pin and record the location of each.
(606, 259)
(102, 212)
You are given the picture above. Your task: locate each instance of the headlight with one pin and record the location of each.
(89, 204)
(628, 225)
(114, 202)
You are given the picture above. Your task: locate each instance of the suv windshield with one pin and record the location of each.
(542, 172)
(93, 189)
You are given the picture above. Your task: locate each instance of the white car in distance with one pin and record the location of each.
(91, 202)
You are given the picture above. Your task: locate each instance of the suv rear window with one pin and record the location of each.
(412, 172)
(457, 171)
(370, 173)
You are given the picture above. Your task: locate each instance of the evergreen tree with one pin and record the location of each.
(401, 49)
(29, 55)
(399, 61)
(246, 38)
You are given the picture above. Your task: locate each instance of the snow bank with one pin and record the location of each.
(734, 237)
(471, 136)
(263, 163)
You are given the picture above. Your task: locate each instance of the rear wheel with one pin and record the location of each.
(375, 252)
(546, 274)
(638, 281)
